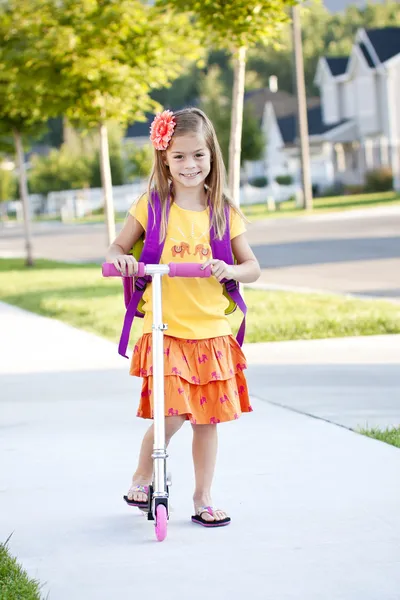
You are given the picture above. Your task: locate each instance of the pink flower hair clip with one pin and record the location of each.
(162, 129)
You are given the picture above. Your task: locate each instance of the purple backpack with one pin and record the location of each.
(151, 254)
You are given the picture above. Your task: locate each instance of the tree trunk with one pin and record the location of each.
(235, 141)
(106, 181)
(302, 110)
(23, 191)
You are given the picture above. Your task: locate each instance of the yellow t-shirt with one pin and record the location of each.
(193, 308)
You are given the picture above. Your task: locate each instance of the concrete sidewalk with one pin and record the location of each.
(354, 382)
(315, 507)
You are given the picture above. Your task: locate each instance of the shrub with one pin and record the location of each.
(259, 182)
(284, 179)
(337, 189)
(379, 180)
(351, 190)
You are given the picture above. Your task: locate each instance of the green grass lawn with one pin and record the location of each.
(389, 435)
(324, 205)
(80, 296)
(15, 584)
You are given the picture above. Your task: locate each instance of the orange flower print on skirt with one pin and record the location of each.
(203, 379)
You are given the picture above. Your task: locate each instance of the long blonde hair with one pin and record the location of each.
(193, 120)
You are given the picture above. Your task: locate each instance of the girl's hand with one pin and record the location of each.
(126, 264)
(220, 269)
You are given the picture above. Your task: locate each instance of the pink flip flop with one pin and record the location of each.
(197, 518)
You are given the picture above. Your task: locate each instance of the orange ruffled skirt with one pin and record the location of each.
(203, 379)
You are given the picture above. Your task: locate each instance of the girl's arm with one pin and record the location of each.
(117, 253)
(246, 271)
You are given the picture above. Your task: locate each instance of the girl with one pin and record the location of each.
(204, 379)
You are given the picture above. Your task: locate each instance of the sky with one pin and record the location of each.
(338, 5)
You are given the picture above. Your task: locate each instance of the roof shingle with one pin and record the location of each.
(337, 64)
(316, 126)
(386, 42)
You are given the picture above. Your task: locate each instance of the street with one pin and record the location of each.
(355, 252)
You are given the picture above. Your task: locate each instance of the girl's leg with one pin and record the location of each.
(144, 471)
(205, 444)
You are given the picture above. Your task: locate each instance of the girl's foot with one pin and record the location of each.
(207, 516)
(204, 511)
(137, 493)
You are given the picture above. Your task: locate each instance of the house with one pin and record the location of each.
(356, 127)
(279, 124)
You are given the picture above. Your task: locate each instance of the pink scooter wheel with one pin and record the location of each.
(161, 522)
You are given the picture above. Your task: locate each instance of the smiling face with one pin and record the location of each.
(189, 160)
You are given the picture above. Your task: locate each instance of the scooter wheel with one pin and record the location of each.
(161, 522)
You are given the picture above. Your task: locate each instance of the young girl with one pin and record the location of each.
(204, 379)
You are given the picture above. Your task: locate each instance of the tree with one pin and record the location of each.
(323, 33)
(25, 102)
(236, 25)
(111, 56)
(217, 104)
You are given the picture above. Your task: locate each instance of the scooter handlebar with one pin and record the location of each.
(175, 270)
(188, 270)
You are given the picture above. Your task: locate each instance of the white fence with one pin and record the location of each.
(78, 203)
(270, 194)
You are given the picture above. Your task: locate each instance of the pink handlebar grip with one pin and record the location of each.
(110, 271)
(188, 270)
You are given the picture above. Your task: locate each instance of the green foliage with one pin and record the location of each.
(259, 182)
(113, 54)
(8, 185)
(14, 581)
(216, 103)
(232, 24)
(59, 170)
(284, 179)
(76, 164)
(253, 139)
(26, 96)
(138, 161)
(379, 180)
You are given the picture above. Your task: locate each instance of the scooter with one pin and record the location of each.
(158, 497)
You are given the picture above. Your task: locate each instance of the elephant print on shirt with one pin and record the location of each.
(202, 251)
(180, 249)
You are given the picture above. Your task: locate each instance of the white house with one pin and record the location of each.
(356, 127)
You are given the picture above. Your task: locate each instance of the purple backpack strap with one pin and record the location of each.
(151, 254)
(222, 249)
